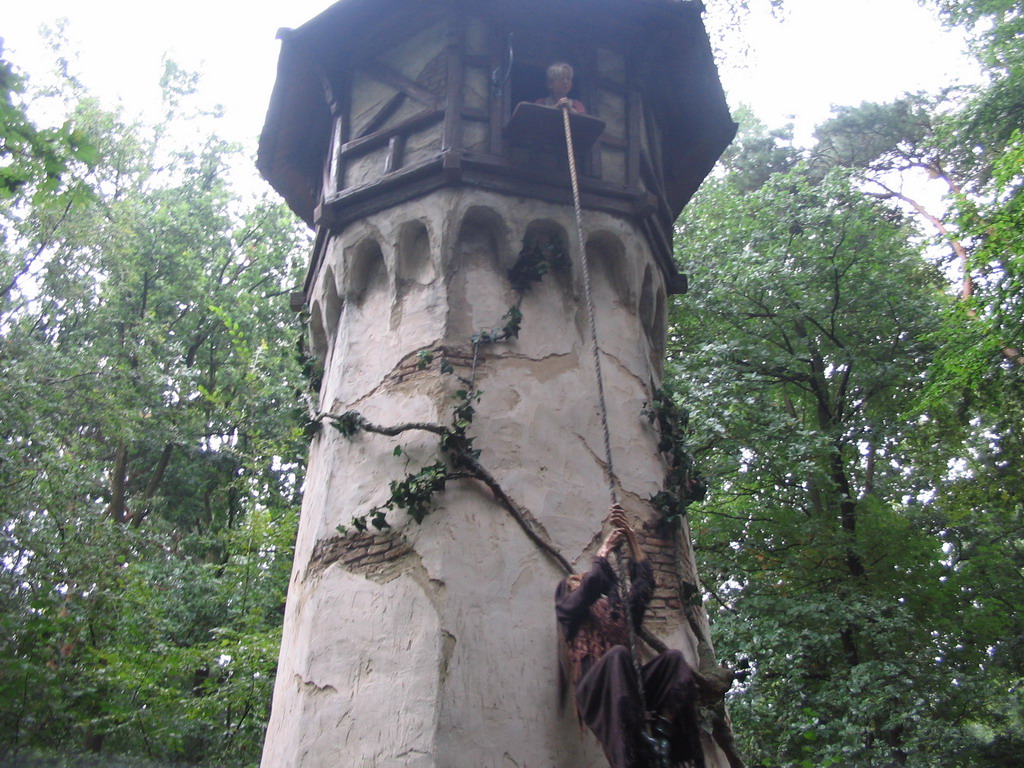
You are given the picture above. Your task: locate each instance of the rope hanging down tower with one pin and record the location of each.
(588, 292)
(658, 746)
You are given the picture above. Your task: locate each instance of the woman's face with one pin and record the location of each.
(560, 85)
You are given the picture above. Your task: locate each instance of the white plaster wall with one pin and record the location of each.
(359, 675)
(447, 657)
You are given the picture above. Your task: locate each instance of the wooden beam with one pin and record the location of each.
(404, 184)
(343, 94)
(397, 80)
(380, 138)
(475, 114)
(500, 99)
(498, 175)
(451, 136)
(651, 177)
(316, 257)
(487, 172)
(332, 171)
(595, 156)
(396, 147)
(383, 115)
(608, 84)
(330, 92)
(611, 140)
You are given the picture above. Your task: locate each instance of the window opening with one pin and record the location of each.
(539, 127)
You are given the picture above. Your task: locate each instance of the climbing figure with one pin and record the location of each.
(598, 662)
(560, 77)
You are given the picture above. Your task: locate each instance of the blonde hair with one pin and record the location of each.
(559, 68)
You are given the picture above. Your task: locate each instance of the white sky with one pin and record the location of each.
(827, 52)
(842, 52)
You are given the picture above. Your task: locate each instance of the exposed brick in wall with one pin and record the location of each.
(409, 370)
(362, 553)
(372, 554)
(658, 541)
(410, 366)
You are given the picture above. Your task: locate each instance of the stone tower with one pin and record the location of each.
(393, 131)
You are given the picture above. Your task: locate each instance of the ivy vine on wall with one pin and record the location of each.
(414, 493)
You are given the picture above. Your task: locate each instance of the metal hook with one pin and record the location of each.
(501, 74)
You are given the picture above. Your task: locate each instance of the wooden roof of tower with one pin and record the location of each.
(668, 53)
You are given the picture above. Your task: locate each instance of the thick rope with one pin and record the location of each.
(588, 292)
(624, 580)
(625, 587)
(472, 373)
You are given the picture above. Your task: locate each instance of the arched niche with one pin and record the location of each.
(317, 332)
(332, 304)
(477, 296)
(647, 307)
(366, 270)
(481, 238)
(659, 328)
(652, 314)
(606, 256)
(413, 264)
(544, 233)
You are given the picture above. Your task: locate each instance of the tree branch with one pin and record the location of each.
(116, 508)
(478, 471)
(397, 429)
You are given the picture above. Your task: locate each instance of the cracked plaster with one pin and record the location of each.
(448, 659)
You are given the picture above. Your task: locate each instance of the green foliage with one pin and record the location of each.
(798, 351)
(970, 140)
(513, 323)
(860, 425)
(150, 450)
(415, 493)
(757, 152)
(456, 441)
(683, 484)
(995, 225)
(35, 161)
(348, 423)
(993, 112)
(879, 138)
(537, 257)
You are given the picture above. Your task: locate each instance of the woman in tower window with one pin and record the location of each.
(559, 84)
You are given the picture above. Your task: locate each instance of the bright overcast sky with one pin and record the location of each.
(827, 52)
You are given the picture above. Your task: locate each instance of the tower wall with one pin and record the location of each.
(435, 644)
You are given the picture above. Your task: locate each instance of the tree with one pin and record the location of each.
(726, 21)
(799, 352)
(151, 441)
(969, 138)
(33, 158)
